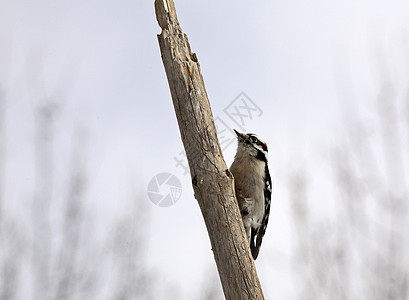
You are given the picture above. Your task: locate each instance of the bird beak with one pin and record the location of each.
(240, 136)
(238, 133)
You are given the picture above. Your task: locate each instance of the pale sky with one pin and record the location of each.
(99, 61)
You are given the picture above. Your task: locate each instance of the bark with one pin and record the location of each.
(212, 182)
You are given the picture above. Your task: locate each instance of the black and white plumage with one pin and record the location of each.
(252, 184)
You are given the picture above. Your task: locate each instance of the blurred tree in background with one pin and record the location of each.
(50, 245)
(359, 248)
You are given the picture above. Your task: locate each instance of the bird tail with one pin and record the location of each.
(255, 245)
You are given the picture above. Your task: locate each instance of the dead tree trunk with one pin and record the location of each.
(212, 182)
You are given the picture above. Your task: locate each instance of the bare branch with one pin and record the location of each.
(212, 181)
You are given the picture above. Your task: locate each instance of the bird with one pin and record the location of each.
(252, 185)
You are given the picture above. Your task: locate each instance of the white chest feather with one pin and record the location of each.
(249, 178)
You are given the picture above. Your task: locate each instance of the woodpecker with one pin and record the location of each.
(252, 183)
